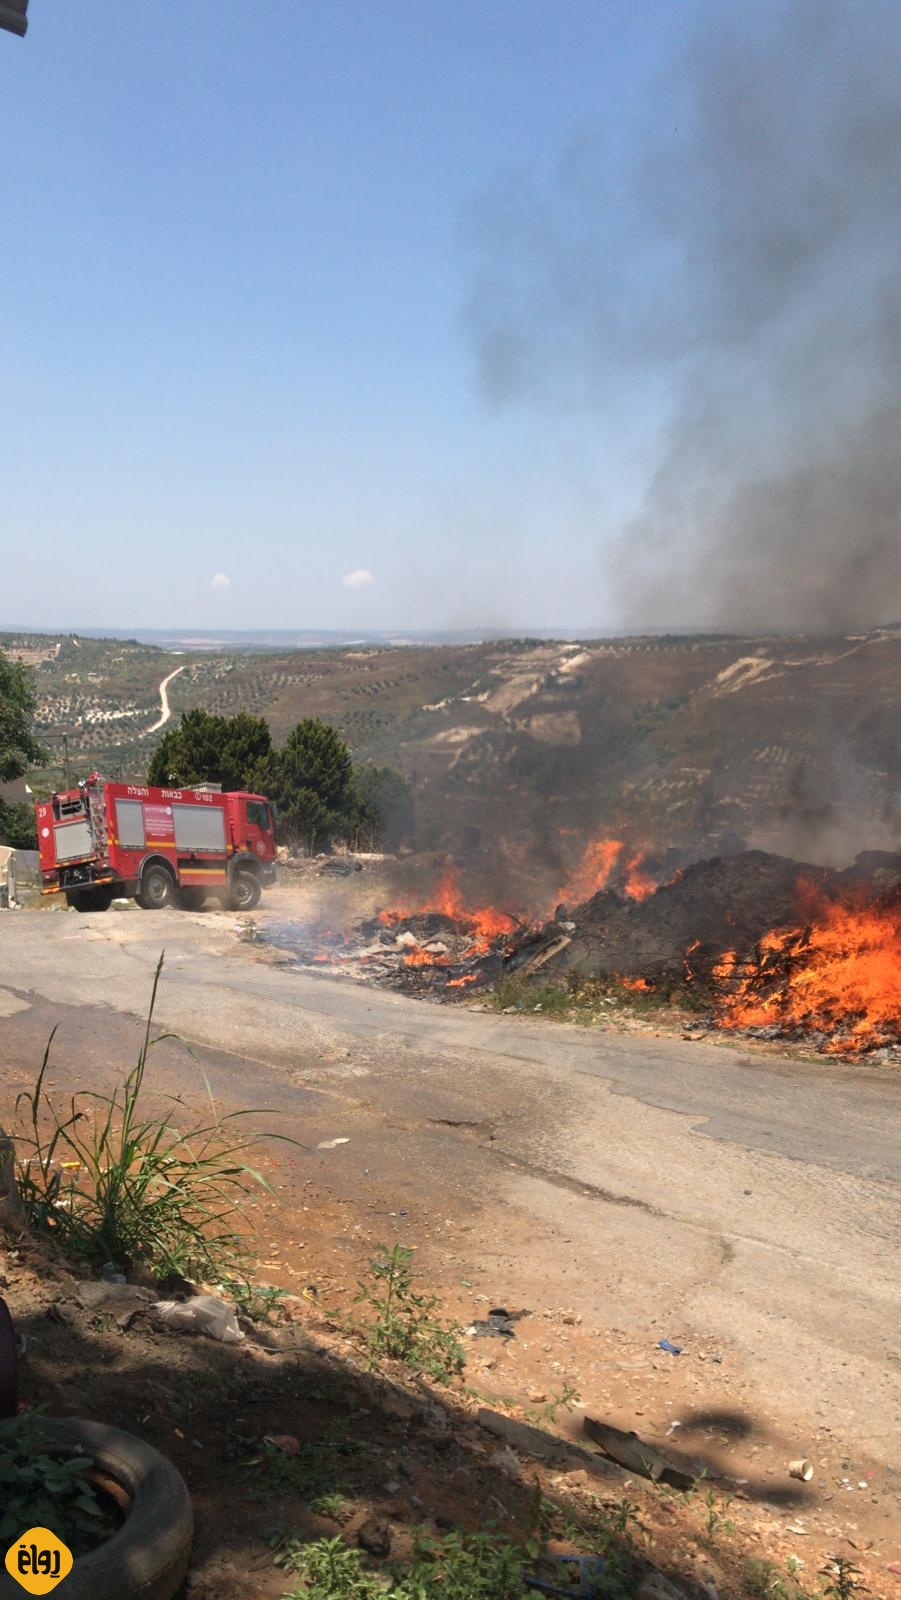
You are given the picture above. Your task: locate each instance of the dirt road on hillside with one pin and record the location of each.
(744, 1206)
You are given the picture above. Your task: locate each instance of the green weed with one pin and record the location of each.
(458, 1566)
(257, 1301)
(109, 1182)
(403, 1325)
(845, 1580)
(764, 1581)
(564, 1400)
(716, 1520)
(315, 1472)
(39, 1488)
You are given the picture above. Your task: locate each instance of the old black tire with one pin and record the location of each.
(145, 1559)
(246, 891)
(157, 887)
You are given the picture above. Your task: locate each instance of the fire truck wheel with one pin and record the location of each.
(99, 899)
(147, 1556)
(246, 891)
(157, 887)
(191, 899)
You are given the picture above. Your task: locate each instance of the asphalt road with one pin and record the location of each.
(654, 1184)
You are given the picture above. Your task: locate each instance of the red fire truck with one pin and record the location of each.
(161, 846)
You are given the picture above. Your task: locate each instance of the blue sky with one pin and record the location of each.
(261, 266)
(237, 253)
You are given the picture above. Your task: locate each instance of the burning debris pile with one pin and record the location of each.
(833, 980)
(757, 941)
(444, 947)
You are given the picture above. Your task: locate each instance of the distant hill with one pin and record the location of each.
(521, 750)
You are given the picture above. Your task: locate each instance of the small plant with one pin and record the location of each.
(763, 1581)
(39, 1489)
(459, 1566)
(110, 1182)
(567, 1397)
(257, 1301)
(845, 1579)
(331, 1571)
(404, 1326)
(464, 1566)
(717, 1521)
(332, 1505)
(313, 1471)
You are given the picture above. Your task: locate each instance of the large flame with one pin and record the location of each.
(838, 973)
(606, 863)
(483, 922)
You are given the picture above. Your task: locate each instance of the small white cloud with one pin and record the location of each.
(220, 580)
(357, 580)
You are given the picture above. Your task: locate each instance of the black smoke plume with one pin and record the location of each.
(733, 264)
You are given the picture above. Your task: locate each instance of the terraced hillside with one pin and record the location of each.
(521, 750)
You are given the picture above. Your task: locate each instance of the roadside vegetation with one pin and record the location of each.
(110, 1182)
(592, 1001)
(402, 1323)
(19, 749)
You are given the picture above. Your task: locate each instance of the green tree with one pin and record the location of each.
(205, 748)
(310, 781)
(18, 749)
(18, 745)
(382, 807)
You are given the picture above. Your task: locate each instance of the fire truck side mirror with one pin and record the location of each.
(12, 16)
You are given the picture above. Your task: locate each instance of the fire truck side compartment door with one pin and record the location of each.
(199, 827)
(130, 824)
(73, 839)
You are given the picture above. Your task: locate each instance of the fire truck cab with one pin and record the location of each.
(158, 846)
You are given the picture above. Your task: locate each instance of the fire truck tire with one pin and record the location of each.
(99, 899)
(157, 887)
(191, 899)
(246, 890)
(147, 1557)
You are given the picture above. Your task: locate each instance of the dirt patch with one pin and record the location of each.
(355, 1446)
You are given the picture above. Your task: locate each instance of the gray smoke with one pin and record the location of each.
(735, 265)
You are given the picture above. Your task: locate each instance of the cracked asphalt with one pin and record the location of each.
(658, 1186)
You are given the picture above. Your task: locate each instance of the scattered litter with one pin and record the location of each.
(630, 1451)
(580, 1579)
(802, 1469)
(497, 1325)
(331, 1144)
(672, 1428)
(895, 1567)
(794, 1528)
(203, 1313)
(671, 1349)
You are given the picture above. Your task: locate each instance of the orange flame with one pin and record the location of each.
(639, 985)
(638, 883)
(484, 922)
(839, 975)
(457, 983)
(603, 862)
(424, 958)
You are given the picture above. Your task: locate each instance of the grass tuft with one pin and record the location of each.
(109, 1182)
